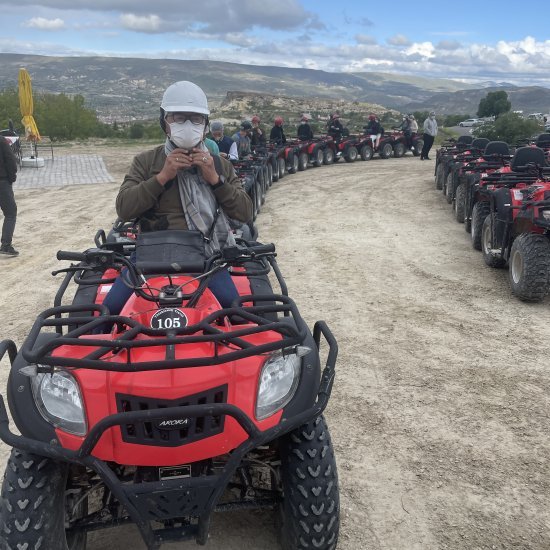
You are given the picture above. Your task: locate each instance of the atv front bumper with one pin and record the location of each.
(195, 497)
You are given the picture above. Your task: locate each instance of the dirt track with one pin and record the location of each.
(440, 408)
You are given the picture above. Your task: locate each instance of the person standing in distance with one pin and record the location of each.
(8, 175)
(430, 131)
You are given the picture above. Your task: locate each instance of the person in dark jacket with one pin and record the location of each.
(335, 128)
(8, 175)
(257, 135)
(277, 134)
(305, 133)
(374, 130)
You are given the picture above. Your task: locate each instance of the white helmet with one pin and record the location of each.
(184, 97)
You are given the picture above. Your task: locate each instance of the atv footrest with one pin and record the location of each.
(170, 499)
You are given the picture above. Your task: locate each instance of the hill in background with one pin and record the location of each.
(130, 88)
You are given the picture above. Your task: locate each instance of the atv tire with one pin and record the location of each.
(310, 511)
(366, 152)
(439, 176)
(448, 189)
(399, 150)
(293, 163)
(386, 152)
(270, 179)
(529, 267)
(328, 157)
(33, 505)
(275, 169)
(282, 168)
(319, 157)
(303, 161)
(479, 213)
(459, 204)
(351, 155)
(418, 146)
(487, 245)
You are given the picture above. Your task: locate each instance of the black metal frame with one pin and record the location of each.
(210, 487)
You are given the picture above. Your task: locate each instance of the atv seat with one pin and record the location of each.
(480, 143)
(497, 148)
(527, 155)
(466, 140)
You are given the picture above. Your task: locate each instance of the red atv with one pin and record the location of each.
(518, 173)
(366, 149)
(345, 148)
(181, 409)
(517, 230)
(401, 145)
(444, 155)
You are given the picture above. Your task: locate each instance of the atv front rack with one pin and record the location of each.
(163, 500)
(291, 328)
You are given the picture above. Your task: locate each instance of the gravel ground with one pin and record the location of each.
(439, 413)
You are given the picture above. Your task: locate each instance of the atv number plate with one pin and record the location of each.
(175, 472)
(168, 318)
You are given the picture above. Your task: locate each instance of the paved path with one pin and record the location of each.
(67, 170)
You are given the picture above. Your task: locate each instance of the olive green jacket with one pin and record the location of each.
(159, 207)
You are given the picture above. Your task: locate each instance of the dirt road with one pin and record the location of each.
(441, 404)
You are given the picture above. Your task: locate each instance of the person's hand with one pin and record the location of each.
(178, 159)
(204, 161)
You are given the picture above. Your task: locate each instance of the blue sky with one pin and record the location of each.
(470, 41)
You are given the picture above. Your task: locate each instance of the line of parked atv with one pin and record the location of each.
(502, 195)
(270, 163)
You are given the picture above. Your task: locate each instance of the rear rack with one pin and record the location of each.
(232, 344)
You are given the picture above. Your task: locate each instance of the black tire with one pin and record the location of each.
(479, 213)
(351, 155)
(319, 157)
(418, 146)
(328, 157)
(386, 152)
(293, 164)
(492, 259)
(282, 167)
(310, 511)
(529, 267)
(449, 187)
(366, 152)
(275, 168)
(459, 204)
(303, 161)
(399, 150)
(270, 179)
(33, 505)
(265, 182)
(258, 189)
(440, 176)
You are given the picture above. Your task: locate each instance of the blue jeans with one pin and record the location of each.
(221, 285)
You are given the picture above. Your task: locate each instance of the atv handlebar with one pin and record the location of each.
(71, 256)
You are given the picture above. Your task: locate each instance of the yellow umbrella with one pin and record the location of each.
(26, 106)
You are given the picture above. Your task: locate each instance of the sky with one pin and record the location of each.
(470, 41)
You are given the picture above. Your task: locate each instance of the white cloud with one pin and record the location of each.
(365, 39)
(141, 23)
(399, 40)
(45, 24)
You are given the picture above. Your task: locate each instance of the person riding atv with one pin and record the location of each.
(305, 133)
(179, 185)
(374, 130)
(277, 134)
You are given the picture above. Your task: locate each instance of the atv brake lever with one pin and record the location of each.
(72, 268)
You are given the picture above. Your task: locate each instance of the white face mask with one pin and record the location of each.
(186, 135)
(303, 122)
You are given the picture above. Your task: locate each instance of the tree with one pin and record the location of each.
(494, 104)
(136, 131)
(508, 127)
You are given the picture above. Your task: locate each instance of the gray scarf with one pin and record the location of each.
(201, 209)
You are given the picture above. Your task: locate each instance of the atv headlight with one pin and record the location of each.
(58, 399)
(545, 214)
(278, 381)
